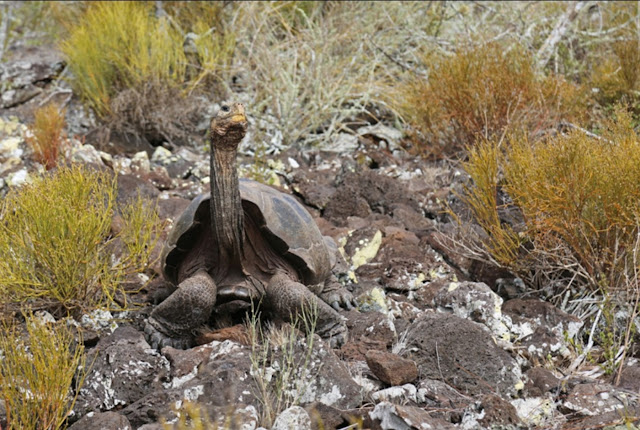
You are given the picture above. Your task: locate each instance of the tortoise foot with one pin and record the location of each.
(158, 339)
(335, 333)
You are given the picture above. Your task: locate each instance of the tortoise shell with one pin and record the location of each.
(285, 224)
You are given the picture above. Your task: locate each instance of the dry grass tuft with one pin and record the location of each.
(579, 197)
(483, 92)
(46, 137)
(55, 244)
(39, 374)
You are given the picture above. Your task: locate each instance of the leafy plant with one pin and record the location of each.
(483, 92)
(39, 374)
(56, 251)
(46, 137)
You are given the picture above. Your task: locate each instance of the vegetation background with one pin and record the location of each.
(538, 101)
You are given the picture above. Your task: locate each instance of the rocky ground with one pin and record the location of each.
(438, 341)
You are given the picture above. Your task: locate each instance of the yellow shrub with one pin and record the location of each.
(580, 198)
(55, 244)
(616, 77)
(483, 92)
(46, 136)
(120, 45)
(37, 374)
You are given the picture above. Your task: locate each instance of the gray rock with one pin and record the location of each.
(161, 155)
(324, 379)
(388, 416)
(124, 370)
(594, 399)
(21, 78)
(398, 395)
(102, 421)
(542, 328)
(292, 418)
(215, 376)
(18, 178)
(474, 301)
(386, 137)
(463, 354)
(86, 154)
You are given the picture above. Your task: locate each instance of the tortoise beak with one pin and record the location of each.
(239, 116)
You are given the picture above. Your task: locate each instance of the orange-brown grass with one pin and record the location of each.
(617, 76)
(46, 137)
(483, 91)
(579, 196)
(576, 192)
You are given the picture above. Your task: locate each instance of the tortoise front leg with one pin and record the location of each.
(288, 299)
(173, 322)
(337, 295)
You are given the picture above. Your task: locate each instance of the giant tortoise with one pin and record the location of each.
(244, 241)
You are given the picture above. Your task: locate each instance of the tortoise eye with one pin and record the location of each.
(224, 108)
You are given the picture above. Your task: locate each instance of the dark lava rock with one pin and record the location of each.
(131, 187)
(540, 381)
(219, 377)
(461, 353)
(593, 399)
(498, 412)
(542, 313)
(367, 331)
(543, 327)
(391, 368)
(125, 369)
(172, 208)
(630, 378)
(102, 421)
(345, 203)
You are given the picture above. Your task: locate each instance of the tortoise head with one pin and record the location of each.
(228, 126)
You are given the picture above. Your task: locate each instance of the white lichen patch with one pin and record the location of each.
(535, 411)
(99, 319)
(332, 397)
(222, 348)
(407, 392)
(179, 381)
(193, 393)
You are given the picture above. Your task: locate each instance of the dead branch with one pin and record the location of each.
(545, 52)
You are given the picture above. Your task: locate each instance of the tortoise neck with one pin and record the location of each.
(226, 205)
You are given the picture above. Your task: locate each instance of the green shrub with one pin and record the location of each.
(39, 374)
(46, 136)
(483, 92)
(55, 243)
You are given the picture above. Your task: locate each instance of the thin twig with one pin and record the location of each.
(398, 62)
(549, 45)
